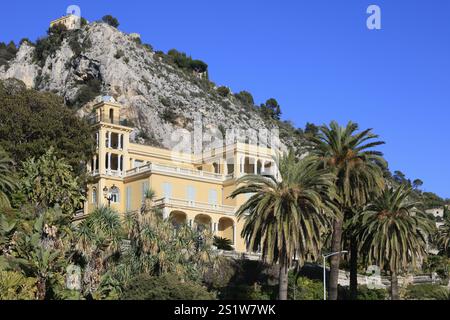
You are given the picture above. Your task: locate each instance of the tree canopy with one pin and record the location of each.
(109, 19)
(31, 122)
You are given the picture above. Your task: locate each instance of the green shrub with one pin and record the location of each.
(364, 293)
(119, 54)
(198, 66)
(75, 46)
(7, 52)
(15, 286)
(182, 61)
(47, 46)
(109, 19)
(83, 22)
(23, 40)
(249, 292)
(271, 109)
(166, 287)
(169, 116)
(148, 47)
(87, 92)
(427, 292)
(304, 288)
(223, 91)
(164, 101)
(245, 97)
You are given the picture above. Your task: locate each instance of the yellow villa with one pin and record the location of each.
(190, 188)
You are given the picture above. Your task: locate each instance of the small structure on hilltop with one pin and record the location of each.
(70, 21)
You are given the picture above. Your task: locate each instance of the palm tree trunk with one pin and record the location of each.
(335, 260)
(353, 268)
(283, 279)
(41, 288)
(394, 286)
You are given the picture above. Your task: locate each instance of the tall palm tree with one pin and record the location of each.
(7, 180)
(443, 236)
(358, 172)
(286, 218)
(394, 233)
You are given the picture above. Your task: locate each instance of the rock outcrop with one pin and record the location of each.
(158, 97)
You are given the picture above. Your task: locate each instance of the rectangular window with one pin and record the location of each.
(145, 188)
(167, 190)
(212, 197)
(94, 196)
(191, 193)
(115, 196)
(128, 204)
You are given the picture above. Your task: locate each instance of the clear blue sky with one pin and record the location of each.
(317, 58)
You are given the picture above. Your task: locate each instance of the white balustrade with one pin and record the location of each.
(229, 210)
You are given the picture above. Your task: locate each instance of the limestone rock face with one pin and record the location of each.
(22, 67)
(148, 87)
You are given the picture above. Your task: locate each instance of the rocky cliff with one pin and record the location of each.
(158, 96)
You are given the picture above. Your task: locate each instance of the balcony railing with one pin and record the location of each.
(159, 168)
(94, 119)
(182, 203)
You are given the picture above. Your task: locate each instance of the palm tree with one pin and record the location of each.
(394, 233)
(443, 236)
(98, 239)
(358, 172)
(223, 243)
(7, 180)
(286, 218)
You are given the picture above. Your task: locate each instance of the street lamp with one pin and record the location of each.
(325, 271)
(107, 193)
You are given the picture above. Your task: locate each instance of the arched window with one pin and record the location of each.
(94, 195)
(115, 195)
(111, 115)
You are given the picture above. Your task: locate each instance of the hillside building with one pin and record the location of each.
(191, 189)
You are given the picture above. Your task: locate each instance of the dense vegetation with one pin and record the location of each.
(7, 52)
(31, 122)
(142, 256)
(341, 196)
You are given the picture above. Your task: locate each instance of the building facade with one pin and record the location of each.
(190, 188)
(70, 21)
(438, 214)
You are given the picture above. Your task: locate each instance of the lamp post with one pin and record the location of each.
(325, 271)
(107, 193)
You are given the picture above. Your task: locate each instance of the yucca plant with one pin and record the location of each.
(8, 181)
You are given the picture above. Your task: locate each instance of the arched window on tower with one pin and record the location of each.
(111, 115)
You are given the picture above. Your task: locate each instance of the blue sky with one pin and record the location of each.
(317, 58)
